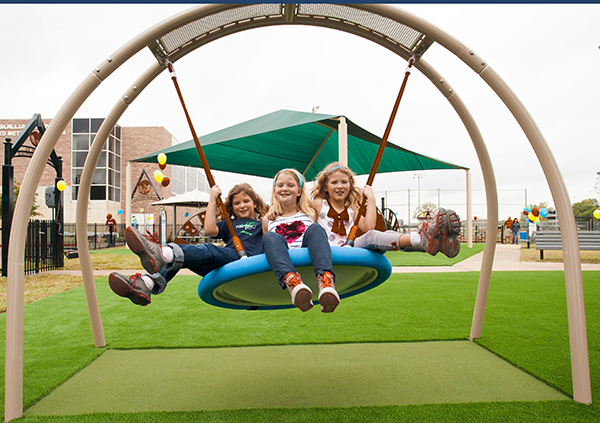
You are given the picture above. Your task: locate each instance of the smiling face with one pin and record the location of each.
(337, 187)
(286, 190)
(243, 206)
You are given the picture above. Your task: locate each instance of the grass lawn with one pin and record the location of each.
(401, 258)
(526, 324)
(108, 259)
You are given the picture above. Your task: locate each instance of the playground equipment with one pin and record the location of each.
(400, 32)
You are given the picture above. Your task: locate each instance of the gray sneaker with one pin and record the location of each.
(148, 250)
(431, 231)
(450, 245)
(133, 288)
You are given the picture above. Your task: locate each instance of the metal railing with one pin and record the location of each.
(43, 248)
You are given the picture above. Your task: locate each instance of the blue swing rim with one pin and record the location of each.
(341, 256)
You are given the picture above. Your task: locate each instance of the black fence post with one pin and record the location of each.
(7, 202)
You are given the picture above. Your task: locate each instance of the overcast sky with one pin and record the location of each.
(548, 54)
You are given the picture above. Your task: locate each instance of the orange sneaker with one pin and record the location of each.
(301, 293)
(328, 296)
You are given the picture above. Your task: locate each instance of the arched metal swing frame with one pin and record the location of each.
(393, 28)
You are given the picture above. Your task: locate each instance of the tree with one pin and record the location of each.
(423, 208)
(585, 208)
(33, 212)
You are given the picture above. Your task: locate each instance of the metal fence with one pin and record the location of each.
(43, 247)
(99, 236)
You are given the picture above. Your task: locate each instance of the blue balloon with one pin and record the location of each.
(186, 214)
(544, 212)
(120, 211)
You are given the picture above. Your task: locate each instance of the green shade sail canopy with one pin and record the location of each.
(289, 139)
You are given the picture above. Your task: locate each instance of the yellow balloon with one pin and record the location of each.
(61, 185)
(597, 214)
(158, 175)
(162, 158)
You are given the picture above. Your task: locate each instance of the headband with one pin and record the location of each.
(291, 170)
(334, 168)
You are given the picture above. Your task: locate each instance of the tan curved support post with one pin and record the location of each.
(13, 397)
(491, 191)
(574, 283)
(580, 367)
(84, 194)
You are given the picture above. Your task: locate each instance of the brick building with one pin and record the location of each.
(108, 190)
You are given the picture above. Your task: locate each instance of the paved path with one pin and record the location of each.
(507, 257)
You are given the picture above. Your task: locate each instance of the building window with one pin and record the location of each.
(106, 181)
(184, 179)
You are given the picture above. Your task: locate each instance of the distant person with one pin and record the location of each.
(507, 229)
(516, 226)
(112, 224)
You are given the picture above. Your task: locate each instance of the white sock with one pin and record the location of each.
(415, 239)
(148, 281)
(167, 253)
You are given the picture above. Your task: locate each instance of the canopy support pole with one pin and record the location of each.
(469, 211)
(128, 189)
(317, 153)
(343, 141)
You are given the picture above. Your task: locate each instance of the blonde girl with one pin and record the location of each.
(336, 200)
(290, 224)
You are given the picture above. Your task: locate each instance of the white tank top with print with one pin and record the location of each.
(292, 228)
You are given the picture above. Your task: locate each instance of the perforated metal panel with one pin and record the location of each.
(351, 19)
(401, 34)
(197, 29)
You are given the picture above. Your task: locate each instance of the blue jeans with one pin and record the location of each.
(276, 251)
(515, 237)
(200, 259)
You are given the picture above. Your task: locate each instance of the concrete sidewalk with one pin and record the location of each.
(507, 258)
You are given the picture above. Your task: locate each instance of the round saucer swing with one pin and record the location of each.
(250, 284)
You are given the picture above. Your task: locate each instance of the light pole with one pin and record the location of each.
(418, 177)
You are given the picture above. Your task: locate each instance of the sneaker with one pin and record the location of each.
(450, 245)
(301, 293)
(431, 231)
(328, 296)
(147, 248)
(133, 288)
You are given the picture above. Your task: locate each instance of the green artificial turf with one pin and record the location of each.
(403, 258)
(526, 324)
(293, 376)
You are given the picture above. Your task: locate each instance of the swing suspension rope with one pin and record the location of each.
(362, 208)
(363, 204)
(211, 181)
